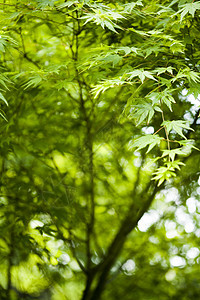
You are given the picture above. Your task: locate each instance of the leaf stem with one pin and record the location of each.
(166, 133)
(159, 130)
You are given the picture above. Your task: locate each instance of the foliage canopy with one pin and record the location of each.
(99, 149)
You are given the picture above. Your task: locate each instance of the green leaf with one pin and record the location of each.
(109, 25)
(189, 8)
(4, 81)
(112, 58)
(176, 46)
(177, 126)
(3, 43)
(194, 89)
(45, 3)
(3, 116)
(6, 42)
(142, 74)
(147, 140)
(127, 50)
(2, 98)
(165, 173)
(191, 75)
(152, 49)
(33, 81)
(162, 97)
(107, 84)
(159, 71)
(143, 111)
(67, 4)
(172, 153)
(103, 16)
(130, 6)
(188, 144)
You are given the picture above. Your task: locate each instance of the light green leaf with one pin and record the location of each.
(67, 4)
(3, 117)
(147, 140)
(191, 75)
(165, 173)
(162, 97)
(33, 82)
(2, 98)
(112, 58)
(103, 16)
(143, 110)
(109, 25)
(6, 41)
(188, 144)
(164, 70)
(172, 153)
(177, 126)
(4, 81)
(142, 74)
(127, 50)
(107, 84)
(130, 6)
(189, 8)
(45, 3)
(152, 49)
(176, 46)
